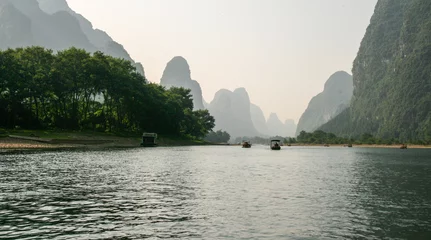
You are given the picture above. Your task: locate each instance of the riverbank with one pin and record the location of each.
(27, 140)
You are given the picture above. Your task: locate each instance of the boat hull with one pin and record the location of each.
(149, 145)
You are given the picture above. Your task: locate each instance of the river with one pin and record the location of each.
(217, 193)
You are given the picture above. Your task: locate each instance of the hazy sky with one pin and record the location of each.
(281, 51)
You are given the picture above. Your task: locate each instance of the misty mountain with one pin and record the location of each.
(290, 128)
(258, 119)
(177, 74)
(15, 27)
(274, 124)
(52, 24)
(277, 128)
(326, 105)
(231, 111)
(391, 75)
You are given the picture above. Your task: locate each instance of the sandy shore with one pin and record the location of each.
(11, 145)
(29, 144)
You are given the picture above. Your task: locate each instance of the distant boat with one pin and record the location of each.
(149, 140)
(275, 145)
(246, 145)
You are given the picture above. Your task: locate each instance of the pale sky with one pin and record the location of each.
(281, 51)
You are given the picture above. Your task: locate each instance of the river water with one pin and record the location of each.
(217, 193)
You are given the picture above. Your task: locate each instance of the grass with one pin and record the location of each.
(119, 137)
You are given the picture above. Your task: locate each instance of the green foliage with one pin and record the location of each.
(391, 74)
(218, 137)
(320, 137)
(75, 90)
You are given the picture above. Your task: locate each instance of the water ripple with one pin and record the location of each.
(217, 193)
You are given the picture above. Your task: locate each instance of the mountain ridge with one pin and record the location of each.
(334, 98)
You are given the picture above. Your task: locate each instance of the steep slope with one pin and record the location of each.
(15, 27)
(97, 37)
(392, 97)
(52, 24)
(58, 31)
(326, 105)
(231, 111)
(258, 119)
(275, 126)
(290, 128)
(177, 74)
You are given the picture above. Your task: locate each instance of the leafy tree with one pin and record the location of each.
(76, 90)
(218, 137)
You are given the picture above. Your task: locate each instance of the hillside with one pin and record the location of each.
(391, 75)
(52, 24)
(326, 105)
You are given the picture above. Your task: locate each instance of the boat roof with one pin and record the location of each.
(275, 140)
(149, 135)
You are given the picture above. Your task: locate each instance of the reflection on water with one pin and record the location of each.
(217, 193)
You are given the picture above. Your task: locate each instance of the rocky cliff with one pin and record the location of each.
(326, 105)
(258, 119)
(391, 75)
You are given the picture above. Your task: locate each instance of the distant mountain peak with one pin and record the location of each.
(177, 74)
(53, 6)
(326, 105)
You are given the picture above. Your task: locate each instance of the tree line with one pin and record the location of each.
(76, 90)
(321, 137)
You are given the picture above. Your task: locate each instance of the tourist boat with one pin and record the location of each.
(246, 145)
(275, 145)
(149, 140)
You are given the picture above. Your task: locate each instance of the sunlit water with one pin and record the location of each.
(217, 193)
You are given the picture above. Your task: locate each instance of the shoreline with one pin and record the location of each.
(17, 144)
(395, 146)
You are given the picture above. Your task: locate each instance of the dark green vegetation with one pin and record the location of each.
(218, 137)
(256, 140)
(392, 76)
(76, 90)
(321, 137)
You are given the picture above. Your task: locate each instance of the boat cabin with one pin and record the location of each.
(149, 139)
(246, 144)
(275, 144)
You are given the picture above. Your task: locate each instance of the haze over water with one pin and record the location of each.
(217, 193)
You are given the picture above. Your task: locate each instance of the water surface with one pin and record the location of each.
(217, 193)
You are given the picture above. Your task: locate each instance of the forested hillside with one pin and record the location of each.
(392, 76)
(76, 90)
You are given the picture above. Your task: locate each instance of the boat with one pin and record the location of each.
(246, 145)
(275, 145)
(149, 140)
